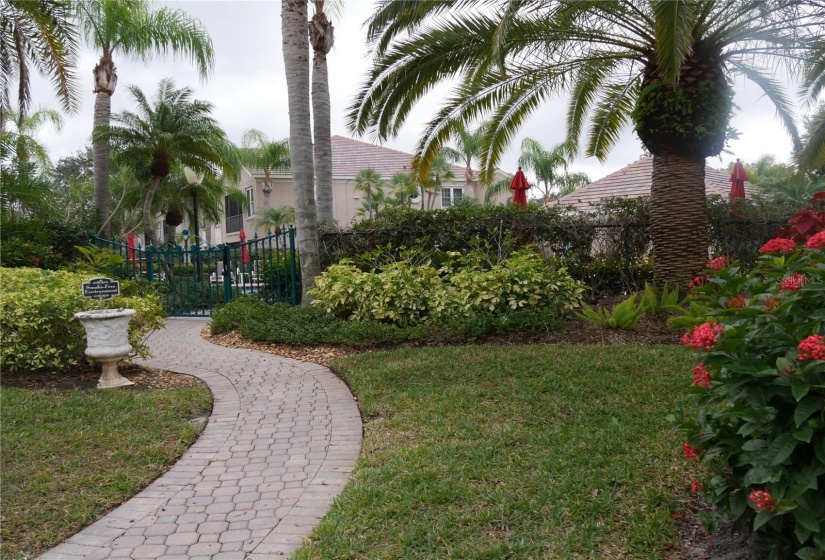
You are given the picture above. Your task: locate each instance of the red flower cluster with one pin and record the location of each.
(738, 301)
(691, 452)
(778, 245)
(695, 487)
(698, 281)
(761, 500)
(718, 263)
(703, 337)
(701, 376)
(793, 283)
(812, 348)
(817, 241)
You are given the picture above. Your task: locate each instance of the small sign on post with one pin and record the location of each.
(101, 288)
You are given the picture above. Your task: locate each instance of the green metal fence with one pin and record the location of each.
(193, 279)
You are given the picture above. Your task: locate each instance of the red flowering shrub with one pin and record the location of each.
(778, 245)
(817, 241)
(718, 263)
(761, 374)
(808, 222)
(698, 281)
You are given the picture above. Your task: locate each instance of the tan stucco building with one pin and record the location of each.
(348, 158)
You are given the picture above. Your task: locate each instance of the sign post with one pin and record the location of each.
(101, 288)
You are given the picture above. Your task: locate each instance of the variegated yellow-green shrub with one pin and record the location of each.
(38, 330)
(409, 294)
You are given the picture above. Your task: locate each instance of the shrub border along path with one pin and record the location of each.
(280, 444)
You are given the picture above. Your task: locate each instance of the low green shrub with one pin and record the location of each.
(408, 294)
(37, 327)
(666, 301)
(623, 315)
(761, 425)
(286, 324)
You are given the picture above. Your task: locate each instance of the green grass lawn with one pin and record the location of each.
(69, 456)
(512, 452)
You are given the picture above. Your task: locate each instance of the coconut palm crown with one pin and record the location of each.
(662, 66)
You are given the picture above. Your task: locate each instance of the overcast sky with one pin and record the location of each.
(248, 90)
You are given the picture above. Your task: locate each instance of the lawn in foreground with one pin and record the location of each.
(71, 455)
(512, 452)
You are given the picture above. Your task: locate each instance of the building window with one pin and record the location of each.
(234, 215)
(250, 199)
(450, 196)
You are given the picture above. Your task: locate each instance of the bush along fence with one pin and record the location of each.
(194, 280)
(608, 248)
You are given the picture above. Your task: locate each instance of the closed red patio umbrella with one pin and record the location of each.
(520, 187)
(244, 250)
(737, 180)
(130, 242)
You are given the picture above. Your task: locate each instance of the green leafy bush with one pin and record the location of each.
(761, 425)
(407, 294)
(37, 327)
(623, 315)
(666, 301)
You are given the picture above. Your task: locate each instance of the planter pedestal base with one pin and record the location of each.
(111, 377)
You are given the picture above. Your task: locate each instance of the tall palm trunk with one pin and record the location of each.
(105, 75)
(322, 38)
(678, 217)
(296, 64)
(149, 224)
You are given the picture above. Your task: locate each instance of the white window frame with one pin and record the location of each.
(250, 200)
(451, 199)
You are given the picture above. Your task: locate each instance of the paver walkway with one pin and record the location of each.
(280, 444)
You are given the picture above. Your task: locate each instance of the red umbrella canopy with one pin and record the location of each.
(519, 186)
(244, 250)
(737, 180)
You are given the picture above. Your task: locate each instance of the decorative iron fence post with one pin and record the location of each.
(292, 264)
(227, 275)
(150, 272)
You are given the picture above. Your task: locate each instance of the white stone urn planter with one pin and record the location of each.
(107, 341)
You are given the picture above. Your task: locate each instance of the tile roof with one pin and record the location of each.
(634, 181)
(351, 156)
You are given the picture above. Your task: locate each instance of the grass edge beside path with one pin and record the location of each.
(70, 456)
(512, 452)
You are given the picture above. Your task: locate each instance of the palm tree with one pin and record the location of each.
(296, 65)
(276, 218)
(545, 165)
(20, 141)
(812, 155)
(663, 65)
(132, 28)
(261, 152)
(322, 38)
(173, 129)
(369, 182)
(468, 148)
(36, 33)
(440, 172)
(404, 190)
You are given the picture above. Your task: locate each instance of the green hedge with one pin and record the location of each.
(37, 327)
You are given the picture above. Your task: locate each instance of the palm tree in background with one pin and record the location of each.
(468, 148)
(268, 155)
(20, 141)
(322, 38)
(369, 182)
(173, 129)
(550, 169)
(133, 29)
(404, 190)
(439, 173)
(36, 33)
(296, 64)
(663, 66)
(273, 219)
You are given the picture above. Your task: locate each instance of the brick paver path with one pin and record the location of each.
(280, 444)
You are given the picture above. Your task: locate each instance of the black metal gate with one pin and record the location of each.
(193, 279)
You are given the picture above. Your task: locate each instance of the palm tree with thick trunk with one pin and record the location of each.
(131, 28)
(664, 66)
(322, 38)
(37, 33)
(296, 65)
(172, 129)
(260, 152)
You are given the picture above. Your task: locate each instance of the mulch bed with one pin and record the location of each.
(85, 377)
